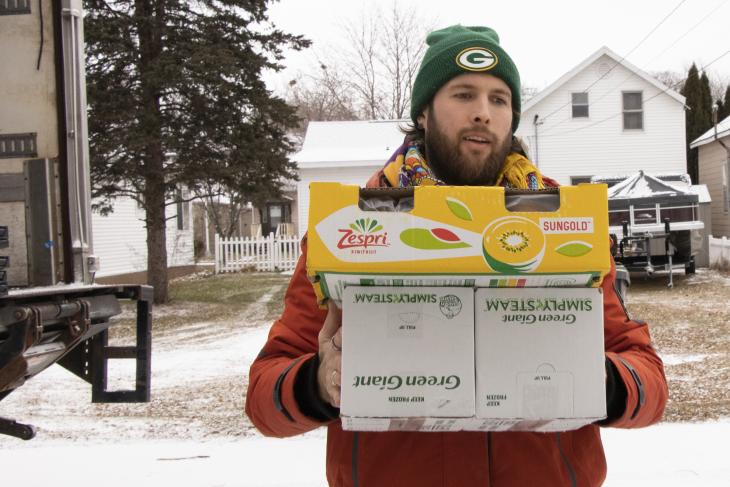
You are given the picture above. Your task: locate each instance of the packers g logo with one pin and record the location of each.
(476, 59)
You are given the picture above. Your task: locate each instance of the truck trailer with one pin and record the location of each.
(50, 309)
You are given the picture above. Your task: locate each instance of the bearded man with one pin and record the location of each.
(465, 108)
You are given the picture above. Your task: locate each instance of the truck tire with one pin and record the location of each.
(689, 267)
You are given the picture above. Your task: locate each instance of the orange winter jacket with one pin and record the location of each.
(461, 459)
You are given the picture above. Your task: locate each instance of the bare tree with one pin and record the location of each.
(383, 54)
(676, 80)
(402, 52)
(371, 74)
(321, 96)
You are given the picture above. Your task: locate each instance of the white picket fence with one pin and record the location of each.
(262, 254)
(719, 253)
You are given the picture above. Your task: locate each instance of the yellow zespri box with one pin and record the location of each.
(456, 236)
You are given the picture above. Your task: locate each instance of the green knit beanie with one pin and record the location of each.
(457, 50)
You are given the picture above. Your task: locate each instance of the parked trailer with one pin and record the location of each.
(655, 221)
(50, 309)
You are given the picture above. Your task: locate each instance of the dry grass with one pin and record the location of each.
(209, 298)
(690, 326)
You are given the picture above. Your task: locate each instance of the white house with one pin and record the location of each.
(605, 117)
(345, 152)
(714, 168)
(120, 238)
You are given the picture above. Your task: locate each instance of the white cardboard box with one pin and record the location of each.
(539, 359)
(408, 358)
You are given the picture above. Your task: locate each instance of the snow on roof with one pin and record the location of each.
(675, 178)
(590, 60)
(723, 130)
(703, 194)
(326, 143)
(642, 185)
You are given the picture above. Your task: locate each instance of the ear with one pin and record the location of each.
(421, 120)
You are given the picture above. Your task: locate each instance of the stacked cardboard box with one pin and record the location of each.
(527, 348)
(4, 261)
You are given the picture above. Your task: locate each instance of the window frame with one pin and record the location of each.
(574, 105)
(629, 111)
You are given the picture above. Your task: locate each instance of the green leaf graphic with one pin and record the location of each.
(372, 225)
(421, 238)
(377, 229)
(576, 248)
(354, 227)
(459, 209)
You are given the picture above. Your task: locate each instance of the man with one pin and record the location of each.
(465, 108)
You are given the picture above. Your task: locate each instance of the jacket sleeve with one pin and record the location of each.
(292, 343)
(629, 349)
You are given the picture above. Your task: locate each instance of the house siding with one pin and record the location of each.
(712, 158)
(598, 145)
(120, 239)
(346, 175)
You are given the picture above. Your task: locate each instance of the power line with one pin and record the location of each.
(703, 68)
(670, 87)
(690, 30)
(549, 130)
(622, 59)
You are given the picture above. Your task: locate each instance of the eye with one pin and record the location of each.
(463, 95)
(500, 100)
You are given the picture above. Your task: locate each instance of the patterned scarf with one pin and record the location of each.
(408, 167)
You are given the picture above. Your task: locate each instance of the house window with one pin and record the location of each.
(579, 179)
(633, 110)
(580, 105)
(183, 212)
(275, 214)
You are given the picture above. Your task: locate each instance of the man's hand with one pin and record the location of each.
(330, 356)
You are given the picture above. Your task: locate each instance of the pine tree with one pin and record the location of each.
(698, 116)
(723, 107)
(176, 99)
(705, 103)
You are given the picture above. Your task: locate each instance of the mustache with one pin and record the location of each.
(479, 132)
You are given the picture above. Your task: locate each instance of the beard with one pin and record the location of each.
(445, 157)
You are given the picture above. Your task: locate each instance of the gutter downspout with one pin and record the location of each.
(536, 123)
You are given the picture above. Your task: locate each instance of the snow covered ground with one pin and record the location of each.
(668, 455)
(167, 442)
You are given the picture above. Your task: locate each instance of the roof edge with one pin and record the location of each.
(590, 60)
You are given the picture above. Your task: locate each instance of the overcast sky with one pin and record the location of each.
(545, 39)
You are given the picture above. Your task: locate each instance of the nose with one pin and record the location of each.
(481, 112)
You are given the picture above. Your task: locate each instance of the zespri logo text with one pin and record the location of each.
(363, 233)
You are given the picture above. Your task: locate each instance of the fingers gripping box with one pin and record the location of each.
(456, 236)
(539, 359)
(408, 358)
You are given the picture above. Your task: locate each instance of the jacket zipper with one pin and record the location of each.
(621, 299)
(568, 466)
(355, 441)
(489, 459)
(639, 386)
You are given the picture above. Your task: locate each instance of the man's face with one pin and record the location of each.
(468, 129)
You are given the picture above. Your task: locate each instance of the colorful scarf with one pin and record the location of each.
(408, 167)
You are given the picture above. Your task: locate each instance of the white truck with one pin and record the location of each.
(50, 309)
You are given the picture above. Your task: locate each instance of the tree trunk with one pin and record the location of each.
(150, 22)
(156, 236)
